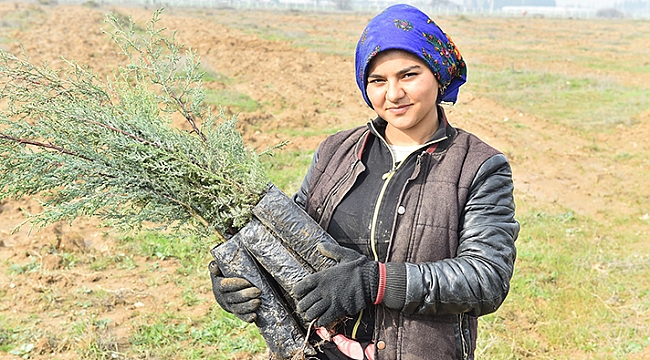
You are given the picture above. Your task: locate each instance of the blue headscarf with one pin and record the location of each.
(404, 27)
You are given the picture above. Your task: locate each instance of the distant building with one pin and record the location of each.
(493, 5)
(547, 11)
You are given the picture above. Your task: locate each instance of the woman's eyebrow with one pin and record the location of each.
(408, 69)
(401, 72)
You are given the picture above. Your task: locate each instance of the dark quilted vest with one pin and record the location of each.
(434, 199)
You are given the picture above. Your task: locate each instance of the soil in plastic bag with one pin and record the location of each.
(283, 335)
(274, 251)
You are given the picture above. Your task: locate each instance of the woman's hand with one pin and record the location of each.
(235, 295)
(342, 290)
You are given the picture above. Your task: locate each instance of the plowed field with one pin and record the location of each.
(298, 68)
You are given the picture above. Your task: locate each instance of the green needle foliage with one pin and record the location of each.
(87, 147)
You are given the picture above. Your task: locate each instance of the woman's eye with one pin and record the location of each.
(408, 75)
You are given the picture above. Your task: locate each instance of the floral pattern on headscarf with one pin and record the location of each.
(404, 27)
(403, 24)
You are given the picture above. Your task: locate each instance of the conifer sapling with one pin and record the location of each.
(86, 147)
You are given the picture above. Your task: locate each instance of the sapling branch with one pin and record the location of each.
(42, 145)
(188, 116)
(111, 150)
(127, 134)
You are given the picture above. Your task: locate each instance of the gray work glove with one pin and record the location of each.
(342, 290)
(235, 295)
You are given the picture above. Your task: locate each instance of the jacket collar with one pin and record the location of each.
(441, 138)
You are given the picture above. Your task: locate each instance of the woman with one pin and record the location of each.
(423, 212)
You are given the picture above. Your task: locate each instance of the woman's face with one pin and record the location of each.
(403, 91)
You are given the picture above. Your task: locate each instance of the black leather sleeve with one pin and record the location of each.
(477, 280)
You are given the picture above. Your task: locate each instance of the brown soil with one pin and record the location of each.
(552, 163)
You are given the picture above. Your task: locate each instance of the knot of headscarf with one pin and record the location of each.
(404, 27)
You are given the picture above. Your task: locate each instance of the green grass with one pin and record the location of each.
(216, 335)
(232, 100)
(15, 339)
(122, 18)
(210, 75)
(289, 31)
(581, 102)
(642, 68)
(157, 246)
(93, 340)
(286, 169)
(7, 336)
(576, 292)
(326, 45)
(309, 131)
(32, 265)
(187, 331)
(22, 18)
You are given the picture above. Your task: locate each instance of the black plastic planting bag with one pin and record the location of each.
(280, 330)
(299, 233)
(285, 268)
(276, 249)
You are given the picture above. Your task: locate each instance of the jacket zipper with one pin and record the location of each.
(373, 226)
(373, 242)
(386, 177)
(463, 342)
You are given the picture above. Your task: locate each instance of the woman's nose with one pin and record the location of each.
(394, 91)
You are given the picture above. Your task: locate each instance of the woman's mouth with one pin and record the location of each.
(400, 109)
